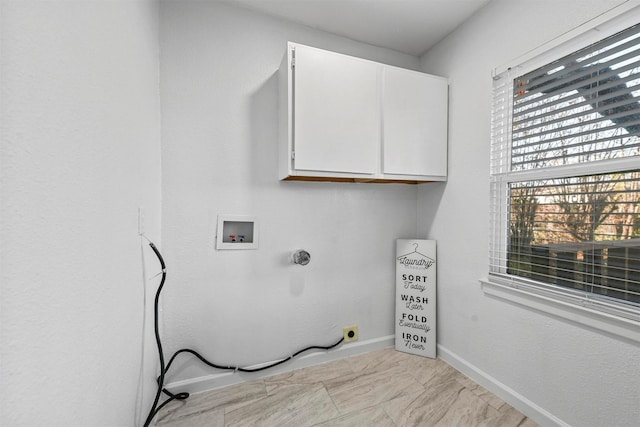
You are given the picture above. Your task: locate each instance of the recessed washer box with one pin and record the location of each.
(237, 232)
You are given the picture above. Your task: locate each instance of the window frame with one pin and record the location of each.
(619, 319)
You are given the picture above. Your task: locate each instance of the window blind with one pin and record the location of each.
(565, 172)
(583, 107)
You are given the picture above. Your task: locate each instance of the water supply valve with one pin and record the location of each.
(301, 257)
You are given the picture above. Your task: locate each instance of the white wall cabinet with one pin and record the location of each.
(349, 119)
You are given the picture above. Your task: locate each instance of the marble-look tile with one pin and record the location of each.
(309, 375)
(373, 416)
(384, 388)
(213, 418)
(295, 406)
(199, 403)
(483, 393)
(528, 422)
(468, 410)
(413, 362)
(367, 388)
(425, 408)
(510, 417)
(436, 373)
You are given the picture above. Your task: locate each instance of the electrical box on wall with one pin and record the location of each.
(237, 232)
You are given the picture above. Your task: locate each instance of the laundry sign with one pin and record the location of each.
(416, 297)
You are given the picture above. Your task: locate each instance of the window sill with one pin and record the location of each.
(567, 306)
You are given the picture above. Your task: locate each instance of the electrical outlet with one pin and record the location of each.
(350, 333)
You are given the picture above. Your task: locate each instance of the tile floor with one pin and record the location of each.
(383, 388)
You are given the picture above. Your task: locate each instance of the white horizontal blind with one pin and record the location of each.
(583, 107)
(556, 220)
(500, 167)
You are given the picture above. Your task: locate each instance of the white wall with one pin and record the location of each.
(80, 152)
(219, 146)
(577, 375)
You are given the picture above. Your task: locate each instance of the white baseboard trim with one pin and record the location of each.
(521, 403)
(225, 379)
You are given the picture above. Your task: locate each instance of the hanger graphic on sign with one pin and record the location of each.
(415, 251)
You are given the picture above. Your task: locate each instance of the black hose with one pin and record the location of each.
(154, 409)
(164, 369)
(261, 368)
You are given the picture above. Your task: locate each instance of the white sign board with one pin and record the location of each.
(416, 297)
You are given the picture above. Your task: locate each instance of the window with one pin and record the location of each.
(565, 176)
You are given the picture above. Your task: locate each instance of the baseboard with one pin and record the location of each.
(521, 403)
(225, 379)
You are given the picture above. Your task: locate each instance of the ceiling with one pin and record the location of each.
(409, 26)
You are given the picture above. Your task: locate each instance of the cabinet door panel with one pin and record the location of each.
(415, 123)
(336, 112)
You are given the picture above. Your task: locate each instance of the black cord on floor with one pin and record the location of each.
(155, 408)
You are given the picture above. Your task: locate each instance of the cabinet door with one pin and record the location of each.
(336, 112)
(415, 123)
